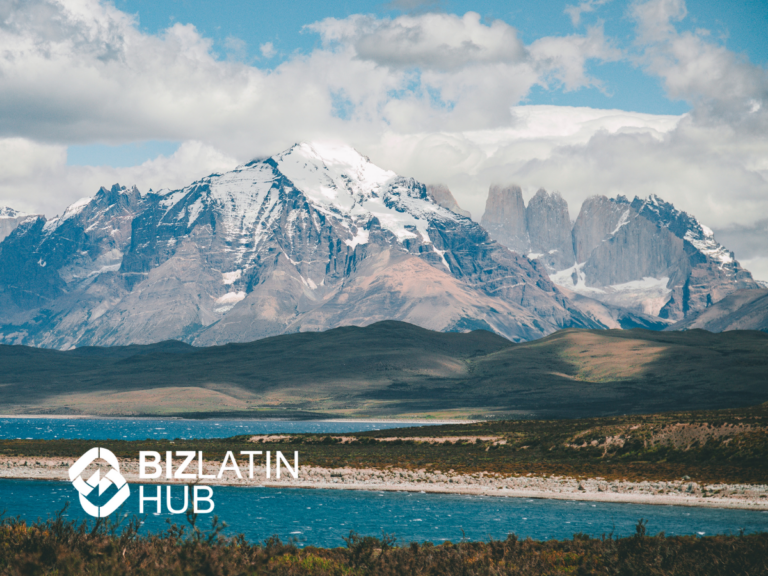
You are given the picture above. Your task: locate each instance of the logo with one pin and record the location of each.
(85, 487)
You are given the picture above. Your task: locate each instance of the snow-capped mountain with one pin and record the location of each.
(9, 220)
(645, 255)
(309, 239)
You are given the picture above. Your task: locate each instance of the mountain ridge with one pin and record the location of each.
(643, 255)
(309, 239)
(317, 237)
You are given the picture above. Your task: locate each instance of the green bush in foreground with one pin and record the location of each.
(61, 547)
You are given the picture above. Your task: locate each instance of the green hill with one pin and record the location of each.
(392, 369)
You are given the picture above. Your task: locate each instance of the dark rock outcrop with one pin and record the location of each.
(541, 231)
(598, 218)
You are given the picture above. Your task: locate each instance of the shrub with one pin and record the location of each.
(104, 547)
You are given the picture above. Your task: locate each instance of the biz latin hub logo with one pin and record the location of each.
(111, 478)
(185, 465)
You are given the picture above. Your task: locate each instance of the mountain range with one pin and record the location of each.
(642, 255)
(318, 237)
(309, 239)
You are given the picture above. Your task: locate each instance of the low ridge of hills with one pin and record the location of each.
(398, 370)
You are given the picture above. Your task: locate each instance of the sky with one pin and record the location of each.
(587, 97)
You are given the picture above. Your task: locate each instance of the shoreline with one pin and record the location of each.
(183, 419)
(382, 421)
(674, 493)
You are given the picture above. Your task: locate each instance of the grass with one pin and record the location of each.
(721, 446)
(103, 548)
(396, 370)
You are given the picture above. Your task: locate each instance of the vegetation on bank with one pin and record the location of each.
(103, 548)
(728, 446)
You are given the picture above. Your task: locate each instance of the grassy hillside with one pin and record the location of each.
(392, 369)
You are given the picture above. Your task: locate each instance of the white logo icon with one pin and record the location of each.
(85, 487)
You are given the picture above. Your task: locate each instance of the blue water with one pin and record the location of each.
(141, 429)
(323, 517)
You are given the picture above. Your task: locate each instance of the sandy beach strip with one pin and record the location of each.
(674, 493)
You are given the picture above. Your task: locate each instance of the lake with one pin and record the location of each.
(143, 428)
(323, 517)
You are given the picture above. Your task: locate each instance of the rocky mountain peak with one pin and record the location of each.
(442, 195)
(541, 231)
(116, 194)
(311, 238)
(643, 255)
(549, 229)
(504, 217)
(599, 217)
(684, 226)
(8, 212)
(649, 256)
(9, 220)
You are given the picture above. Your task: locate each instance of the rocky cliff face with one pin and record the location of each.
(653, 259)
(549, 230)
(442, 195)
(504, 217)
(644, 255)
(598, 218)
(310, 239)
(541, 231)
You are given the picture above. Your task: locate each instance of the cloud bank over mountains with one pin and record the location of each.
(437, 96)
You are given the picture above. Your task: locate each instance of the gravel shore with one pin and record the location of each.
(675, 493)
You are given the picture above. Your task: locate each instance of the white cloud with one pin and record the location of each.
(749, 242)
(434, 96)
(34, 177)
(237, 48)
(533, 152)
(81, 71)
(564, 58)
(722, 85)
(655, 18)
(443, 42)
(463, 74)
(575, 11)
(757, 265)
(267, 50)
